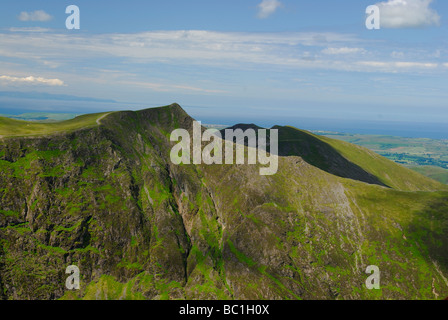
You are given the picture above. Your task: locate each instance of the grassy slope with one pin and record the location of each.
(433, 172)
(11, 127)
(404, 234)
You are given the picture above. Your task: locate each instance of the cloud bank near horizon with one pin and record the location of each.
(30, 80)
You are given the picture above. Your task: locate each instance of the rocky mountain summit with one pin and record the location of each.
(106, 198)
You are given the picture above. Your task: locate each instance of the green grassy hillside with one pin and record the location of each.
(433, 172)
(18, 128)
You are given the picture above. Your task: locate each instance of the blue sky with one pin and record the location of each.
(269, 60)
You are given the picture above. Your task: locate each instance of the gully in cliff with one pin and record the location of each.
(213, 152)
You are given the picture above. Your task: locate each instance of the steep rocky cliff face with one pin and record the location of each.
(108, 199)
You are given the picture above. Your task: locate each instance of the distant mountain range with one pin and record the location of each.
(99, 191)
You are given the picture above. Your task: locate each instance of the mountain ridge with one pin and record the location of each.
(108, 199)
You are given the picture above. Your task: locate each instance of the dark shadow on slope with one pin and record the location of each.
(294, 142)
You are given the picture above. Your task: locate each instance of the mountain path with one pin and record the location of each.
(102, 117)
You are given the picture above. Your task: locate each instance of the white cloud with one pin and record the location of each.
(34, 29)
(234, 50)
(32, 80)
(161, 87)
(38, 15)
(51, 64)
(407, 14)
(268, 7)
(194, 46)
(390, 66)
(407, 64)
(397, 54)
(344, 50)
